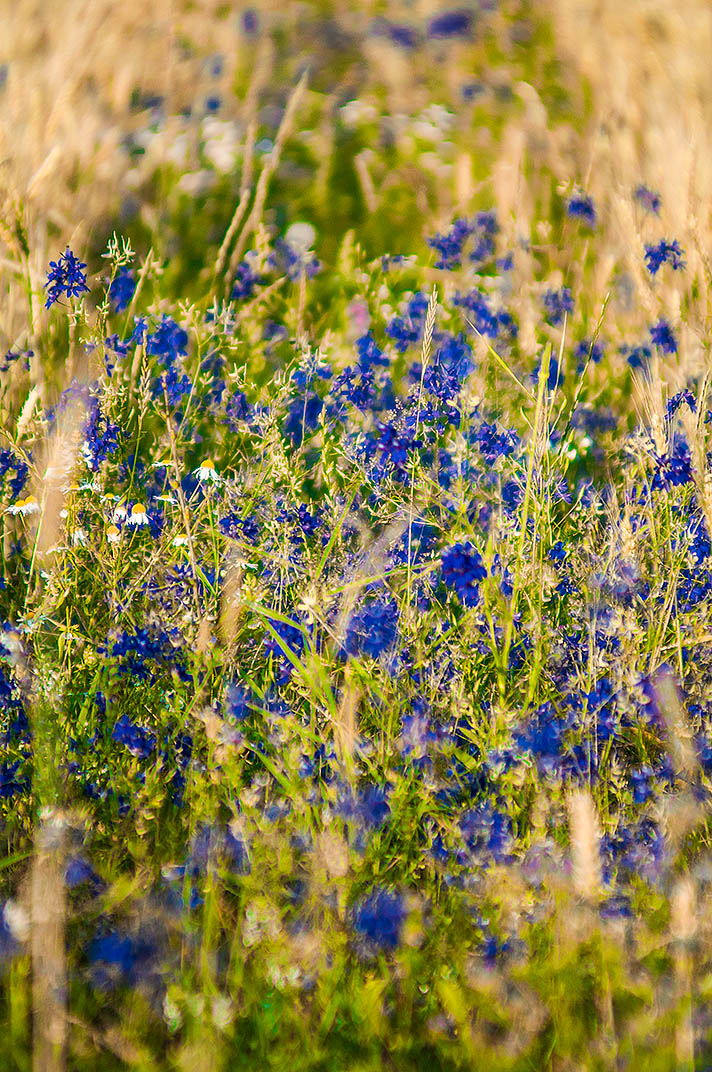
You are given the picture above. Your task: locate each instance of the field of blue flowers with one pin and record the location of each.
(356, 595)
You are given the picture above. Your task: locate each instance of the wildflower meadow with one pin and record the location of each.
(356, 514)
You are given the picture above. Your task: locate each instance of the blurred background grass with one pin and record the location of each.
(118, 116)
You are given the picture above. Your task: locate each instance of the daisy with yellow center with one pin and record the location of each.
(138, 515)
(24, 506)
(113, 534)
(207, 471)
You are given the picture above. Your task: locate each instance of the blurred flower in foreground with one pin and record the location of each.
(450, 24)
(379, 918)
(122, 290)
(649, 200)
(581, 207)
(664, 253)
(664, 337)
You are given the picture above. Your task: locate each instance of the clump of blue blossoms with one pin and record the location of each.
(557, 303)
(589, 350)
(457, 23)
(462, 570)
(372, 629)
(450, 245)
(65, 278)
(122, 290)
(379, 918)
(664, 337)
(648, 199)
(638, 357)
(581, 207)
(664, 253)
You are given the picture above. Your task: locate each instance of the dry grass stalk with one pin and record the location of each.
(683, 929)
(260, 76)
(346, 725)
(48, 912)
(230, 610)
(679, 732)
(585, 837)
(270, 166)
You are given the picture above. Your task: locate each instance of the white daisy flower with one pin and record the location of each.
(207, 471)
(24, 506)
(138, 515)
(113, 534)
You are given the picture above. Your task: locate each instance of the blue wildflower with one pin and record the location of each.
(236, 702)
(663, 336)
(250, 22)
(681, 398)
(237, 411)
(12, 783)
(379, 918)
(557, 303)
(486, 227)
(120, 959)
(483, 319)
(245, 282)
(395, 442)
(140, 741)
(369, 353)
(462, 570)
(456, 23)
(649, 200)
(101, 436)
(589, 350)
(641, 782)
(494, 444)
(23, 356)
(168, 341)
(65, 277)
(302, 417)
(319, 766)
(557, 553)
(372, 629)
(487, 833)
(664, 253)
(295, 261)
(543, 737)
(407, 329)
(122, 289)
(236, 528)
(449, 245)
(404, 36)
(581, 207)
(472, 90)
(637, 356)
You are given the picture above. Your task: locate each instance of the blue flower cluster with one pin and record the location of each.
(65, 278)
